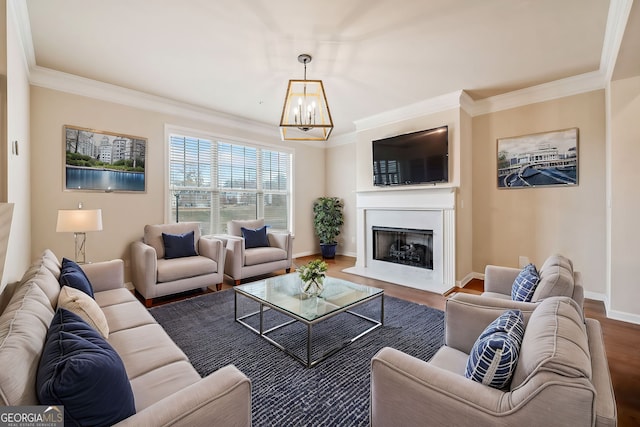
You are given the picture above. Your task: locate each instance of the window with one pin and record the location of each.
(212, 182)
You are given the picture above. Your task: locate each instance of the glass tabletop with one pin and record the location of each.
(285, 293)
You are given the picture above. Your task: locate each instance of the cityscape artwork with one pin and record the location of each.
(537, 160)
(103, 161)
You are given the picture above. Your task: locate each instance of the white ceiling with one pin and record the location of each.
(236, 56)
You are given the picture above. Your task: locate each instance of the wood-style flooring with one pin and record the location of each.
(622, 340)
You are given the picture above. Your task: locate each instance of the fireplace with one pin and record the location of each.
(426, 219)
(406, 246)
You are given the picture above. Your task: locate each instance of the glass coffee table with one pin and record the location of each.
(283, 294)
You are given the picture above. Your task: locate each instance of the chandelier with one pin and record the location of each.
(305, 114)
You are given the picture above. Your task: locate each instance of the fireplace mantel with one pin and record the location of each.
(423, 207)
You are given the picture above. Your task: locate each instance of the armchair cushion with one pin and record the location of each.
(494, 356)
(179, 245)
(525, 284)
(234, 227)
(72, 275)
(81, 371)
(255, 238)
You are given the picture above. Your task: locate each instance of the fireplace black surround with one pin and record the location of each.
(406, 246)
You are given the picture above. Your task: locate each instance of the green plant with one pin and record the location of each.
(327, 218)
(313, 270)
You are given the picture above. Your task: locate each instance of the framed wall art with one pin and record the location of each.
(103, 161)
(539, 160)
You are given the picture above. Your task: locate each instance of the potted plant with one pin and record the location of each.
(327, 220)
(312, 276)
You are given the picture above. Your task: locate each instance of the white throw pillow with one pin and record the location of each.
(84, 306)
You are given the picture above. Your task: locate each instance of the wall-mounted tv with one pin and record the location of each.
(414, 158)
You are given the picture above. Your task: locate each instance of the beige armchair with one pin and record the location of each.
(561, 377)
(156, 275)
(557, 278)
(242, 262)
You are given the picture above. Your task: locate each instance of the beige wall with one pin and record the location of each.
(125, 214)
(464, 202)
(341, 182)
(15, 116)
(542, 221)
(625, 197)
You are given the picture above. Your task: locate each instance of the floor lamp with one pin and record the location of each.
(79, 222)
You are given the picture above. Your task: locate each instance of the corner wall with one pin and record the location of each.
(537, 222)
(624, 204)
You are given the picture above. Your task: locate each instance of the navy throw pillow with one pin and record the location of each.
(179, 245)
(525, 284)
(255, 238)
(71, 274)
(80, 370)
(494, 355)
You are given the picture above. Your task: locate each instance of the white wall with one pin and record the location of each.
(341, 182)
(18, 164)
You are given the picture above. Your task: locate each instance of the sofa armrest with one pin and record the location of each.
(105, 275)
(499, 279)
(578, 289)
(144, 268)
(222, 398)
(212, 248)
(235, 256)
(408, 391)
(606, 414)
(467, 315)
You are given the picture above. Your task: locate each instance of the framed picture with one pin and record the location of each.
(103, 161)
(539, 160)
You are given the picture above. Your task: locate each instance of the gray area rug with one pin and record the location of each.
(284, 392)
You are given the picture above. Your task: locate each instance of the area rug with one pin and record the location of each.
(284, 392)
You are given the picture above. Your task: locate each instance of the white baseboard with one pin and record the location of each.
(469, 277)
(596, 296)
(623, 316)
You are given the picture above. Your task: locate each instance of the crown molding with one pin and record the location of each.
(20, 15)
(69, 83)
(617, 18)
(428, 106)
(569, 86)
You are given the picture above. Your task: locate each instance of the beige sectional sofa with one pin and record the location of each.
(166, 387)
(561, 377)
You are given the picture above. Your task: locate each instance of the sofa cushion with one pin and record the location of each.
(525, 284)
(555, 340)
(23, 329)
(72, 275)
(182, 268)
(494, 355)
(45, 279)
(153, 234)
(179, 245)
(255, 238)
(255, 256)
(81, 371)
(234, 227)
(556, 278)
(168, 379)
(127, 315)
(84, 306)
(52, 263)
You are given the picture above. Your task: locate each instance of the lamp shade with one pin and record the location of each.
(79, 220)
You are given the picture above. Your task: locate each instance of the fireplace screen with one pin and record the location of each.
(405, 246)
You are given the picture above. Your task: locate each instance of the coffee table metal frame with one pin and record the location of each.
(309, 363)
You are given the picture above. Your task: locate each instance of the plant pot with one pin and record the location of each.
(328, 250)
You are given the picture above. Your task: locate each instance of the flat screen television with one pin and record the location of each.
(414, 158)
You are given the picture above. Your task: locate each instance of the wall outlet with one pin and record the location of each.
(523, 261)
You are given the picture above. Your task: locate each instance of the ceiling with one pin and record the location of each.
(236, 56)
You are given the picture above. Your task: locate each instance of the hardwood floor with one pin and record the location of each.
(622, 340)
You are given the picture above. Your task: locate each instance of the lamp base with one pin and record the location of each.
(80, 239)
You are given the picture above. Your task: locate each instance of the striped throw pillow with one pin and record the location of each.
(525, 284)
(495, 353)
